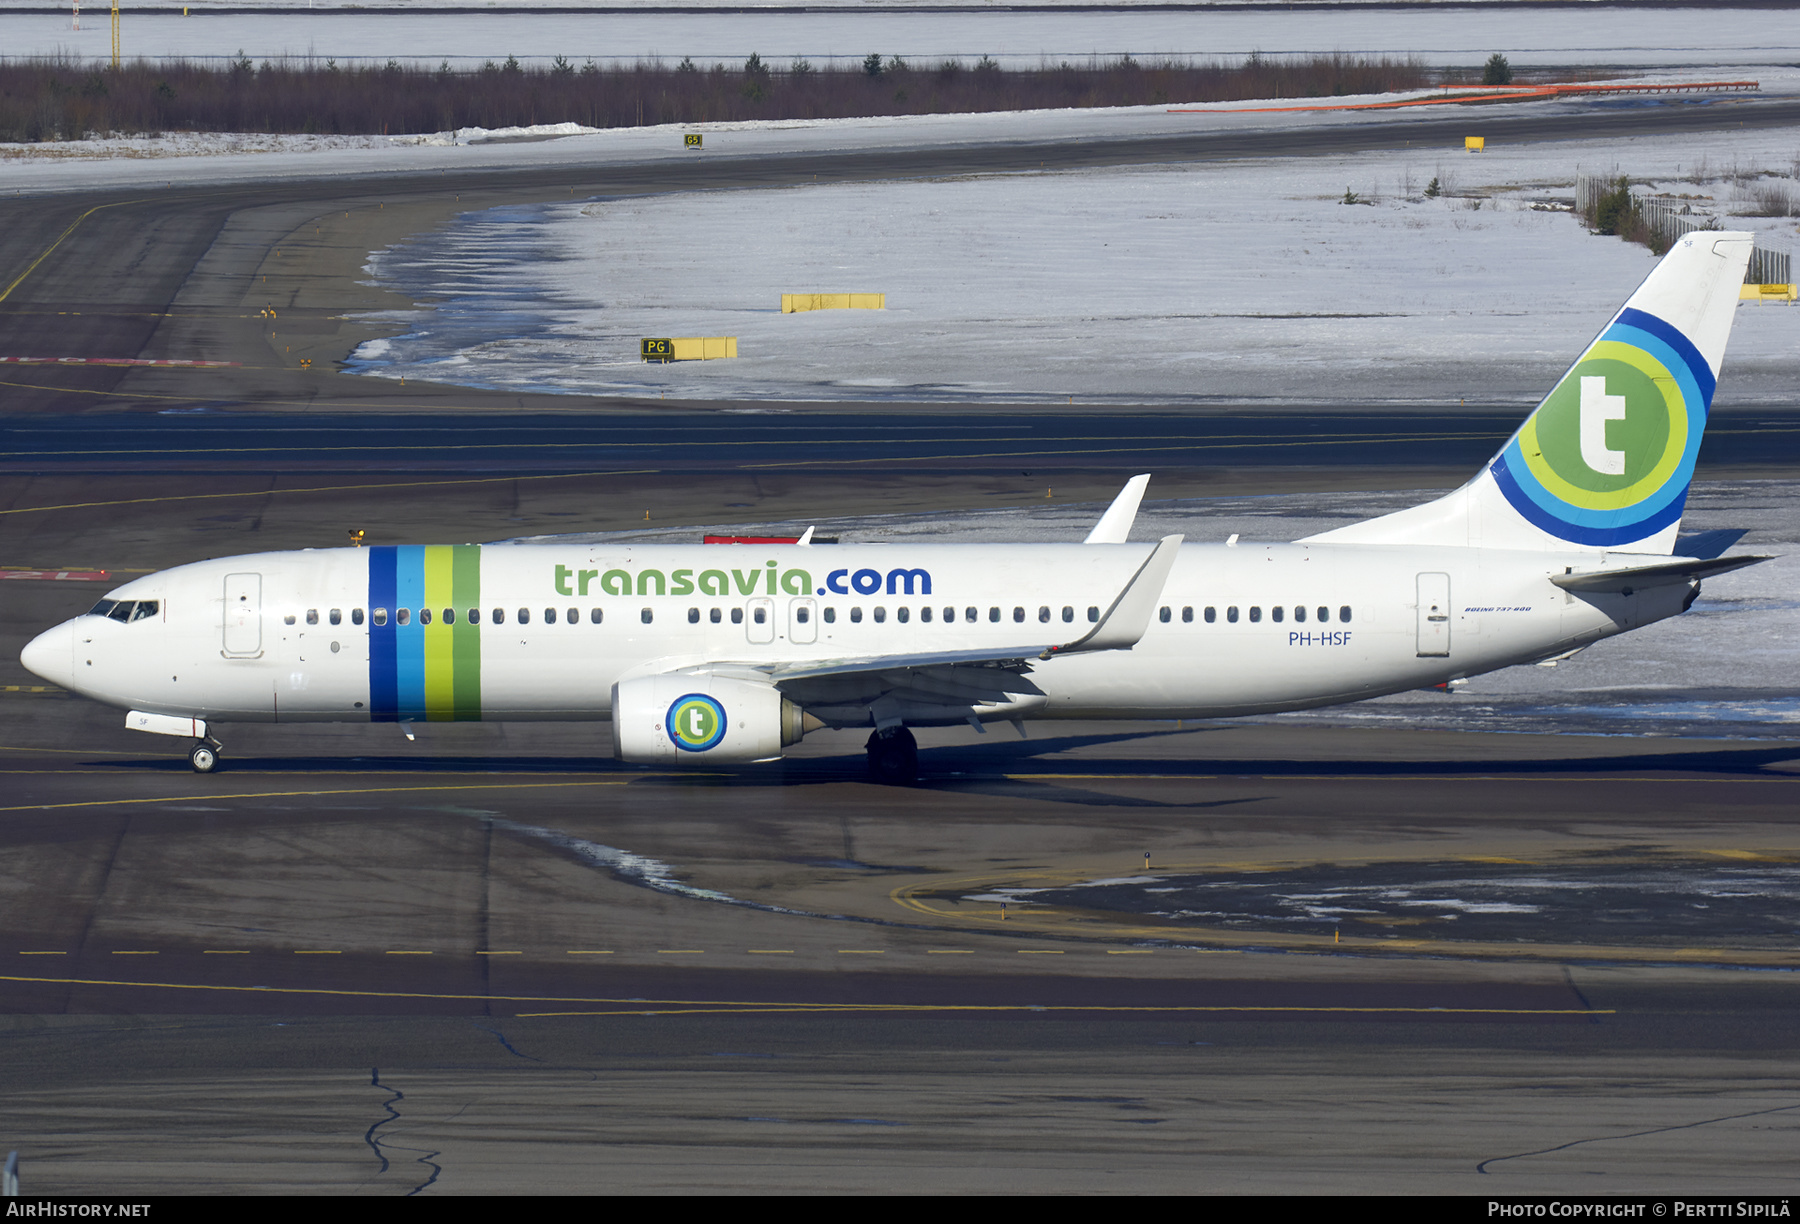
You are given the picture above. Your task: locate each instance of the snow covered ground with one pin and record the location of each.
(1530, 35)
(1723, 670)
(1246, 281)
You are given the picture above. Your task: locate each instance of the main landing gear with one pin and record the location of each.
(204, 756)
(893, 756)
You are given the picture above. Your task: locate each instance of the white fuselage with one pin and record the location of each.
(292, 636)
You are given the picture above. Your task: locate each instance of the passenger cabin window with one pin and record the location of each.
(1043, 616)
(312, 616)
(880, 615)
(356, 616)
(1274, 614)
(596, 616)
(424, 616)
(402, 616)
(524, 616)
(1018, 616)
(830, 615)
(647, 615)
(574, 616)
(760, 615)
(1255, 614)
(1344, 614)
(737, 616)
(1068, 615)
(925, 615)
(1324, 615)
(1300, 615)
(290, 619)
(336, 617)
(1187, 616)
(949, 616)
(1162, 614)
(711, 615)
(856, 616)
(1231, 614)
(904, 614)
(474, 616)
(1093, 616)
(498, 616)
(993, 616)
(381, 616)
(549, 616)
(971, 615)
(1211, 615)
(693, 616)
(449, 616)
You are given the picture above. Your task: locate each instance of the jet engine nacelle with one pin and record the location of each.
(701, 720)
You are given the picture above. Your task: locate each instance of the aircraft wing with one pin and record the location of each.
(1009, 658)
(1623, 581)
(1121, 628)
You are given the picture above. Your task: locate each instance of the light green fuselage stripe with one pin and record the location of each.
(452, 646)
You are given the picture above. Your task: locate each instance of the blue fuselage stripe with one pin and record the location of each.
(383, 699)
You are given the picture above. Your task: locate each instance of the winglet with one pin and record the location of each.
(1115, 525)
(1124, 623)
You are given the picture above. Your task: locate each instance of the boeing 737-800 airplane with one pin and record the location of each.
(702, 655)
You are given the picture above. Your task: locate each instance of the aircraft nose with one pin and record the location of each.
(51, 655)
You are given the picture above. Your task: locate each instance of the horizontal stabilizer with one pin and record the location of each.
(1709, 544)
(1625, 581)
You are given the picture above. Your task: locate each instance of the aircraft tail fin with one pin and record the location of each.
(1606, 459)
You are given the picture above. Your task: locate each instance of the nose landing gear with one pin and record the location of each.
(893, 757)
(204, 756)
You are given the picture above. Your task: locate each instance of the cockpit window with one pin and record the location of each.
(124, 610)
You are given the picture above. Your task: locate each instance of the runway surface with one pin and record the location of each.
(492, 960)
